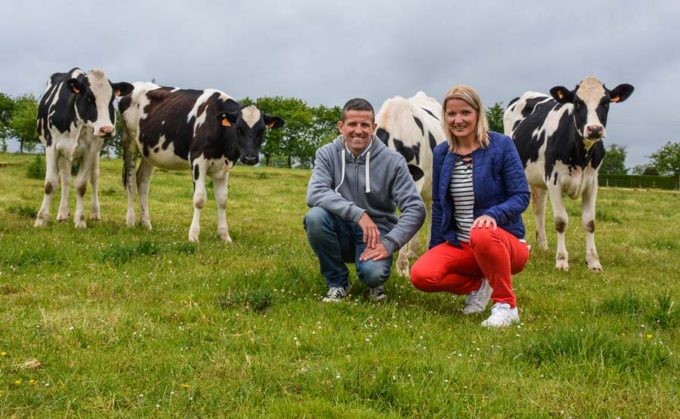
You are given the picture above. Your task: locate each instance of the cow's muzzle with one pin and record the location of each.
(250, 160)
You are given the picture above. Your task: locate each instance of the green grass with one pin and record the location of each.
(129, 322)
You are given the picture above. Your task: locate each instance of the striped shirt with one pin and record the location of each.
(463, 194)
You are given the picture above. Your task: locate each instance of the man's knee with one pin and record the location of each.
(374, 273)
(316, 219)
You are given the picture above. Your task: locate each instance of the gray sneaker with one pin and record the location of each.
(335, 294)
(377, 293)
(477, 300)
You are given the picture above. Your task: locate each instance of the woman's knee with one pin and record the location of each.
(421, 277)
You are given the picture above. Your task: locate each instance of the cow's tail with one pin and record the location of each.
(128, 158)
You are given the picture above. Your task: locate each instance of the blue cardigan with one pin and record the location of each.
(501, 189)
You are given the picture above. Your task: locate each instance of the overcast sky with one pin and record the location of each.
(326, 52)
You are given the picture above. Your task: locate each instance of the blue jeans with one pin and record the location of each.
(337, 242)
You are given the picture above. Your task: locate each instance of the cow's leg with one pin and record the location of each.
(221, 186)
(561, 222)
(81, 187)
(129, 175)
(144, 173)
(539, 197)
(94, 181)
(402, 260)
(588, 218)
(51, 179)
(65, 178)
(199, 170)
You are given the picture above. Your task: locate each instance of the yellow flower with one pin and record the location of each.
(31, 382)
(3, 353)
(649, 336)
(17, 382)
(186, 386)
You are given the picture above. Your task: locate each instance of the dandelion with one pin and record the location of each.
(31, 382)
(17, 382)
(649, 336)
(3, 353)
(186, 386)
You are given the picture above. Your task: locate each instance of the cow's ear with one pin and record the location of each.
(74, 85)
(621, 92)
(122, 88)
(227, 118)
(273, 122)
(562, 94)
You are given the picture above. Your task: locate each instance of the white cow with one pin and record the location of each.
(75, 115)
(413, 128)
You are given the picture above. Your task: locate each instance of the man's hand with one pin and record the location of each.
(371, 233)
(484, 221)
(374, 253)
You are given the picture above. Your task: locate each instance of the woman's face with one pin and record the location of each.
(461, 119)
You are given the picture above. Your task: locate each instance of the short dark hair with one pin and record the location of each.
(357, 104)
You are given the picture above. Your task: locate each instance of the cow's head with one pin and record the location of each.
(249, 124)
(591, 104)
(94, 100)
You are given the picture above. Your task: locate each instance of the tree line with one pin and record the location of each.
(307, 128)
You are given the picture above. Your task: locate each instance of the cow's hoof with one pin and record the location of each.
(595, 266)
(96, 217)
(147, 226)
(63, 217)
(562, 265)
(226, 239)
(40, 222)
(193, 238)
(80, 224)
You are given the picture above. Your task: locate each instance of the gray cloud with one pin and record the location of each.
(325, 53)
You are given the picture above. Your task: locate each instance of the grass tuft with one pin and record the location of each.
(36, 168)
(22, 210)
(257, 300)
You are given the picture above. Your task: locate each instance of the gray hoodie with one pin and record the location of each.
(376, 182)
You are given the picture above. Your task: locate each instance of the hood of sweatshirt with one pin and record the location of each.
(374, 150)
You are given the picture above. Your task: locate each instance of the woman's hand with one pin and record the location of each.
(484, 222)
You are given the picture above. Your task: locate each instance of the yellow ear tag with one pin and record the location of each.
(560, 94)
(117, 92)
(271, 124)
(615, 99)
(225, 122)
(76, 90)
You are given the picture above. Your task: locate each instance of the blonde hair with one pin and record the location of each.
(469, 96)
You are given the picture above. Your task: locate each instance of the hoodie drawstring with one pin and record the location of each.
(368, 176)
(342, 176)
(368, 173)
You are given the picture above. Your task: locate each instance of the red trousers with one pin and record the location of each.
(495, 254)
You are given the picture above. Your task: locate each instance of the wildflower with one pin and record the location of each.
(3, 353)
(185, 386)
(17, 382)
(31, 382)
(649, 336)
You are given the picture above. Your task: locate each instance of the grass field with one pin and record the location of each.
(119, 322)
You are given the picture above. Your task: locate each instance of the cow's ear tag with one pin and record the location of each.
(560, 93)
(75, 89)
(117, 92)
(270, 125)
(615, 99)
(225, 122)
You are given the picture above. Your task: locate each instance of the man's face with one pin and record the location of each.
(357, 130)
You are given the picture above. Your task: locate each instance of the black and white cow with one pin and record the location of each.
(559, 139)
(75, 115)
(177, 129)
(413, 128)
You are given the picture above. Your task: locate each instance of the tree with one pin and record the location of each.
(6, 109)
(667, 159)
(614, 161)
(494, 115)
(22, 124)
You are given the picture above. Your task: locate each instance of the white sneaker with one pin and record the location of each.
(335, 294)
(476, 301)
(501, 316)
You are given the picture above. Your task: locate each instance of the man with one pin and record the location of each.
(356, 186)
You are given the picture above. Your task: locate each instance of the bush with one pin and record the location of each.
(36, 169)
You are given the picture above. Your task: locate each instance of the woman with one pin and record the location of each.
(479, 192)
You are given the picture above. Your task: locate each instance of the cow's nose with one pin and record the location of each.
(249, 159)
(105, 130)
(594, 131)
